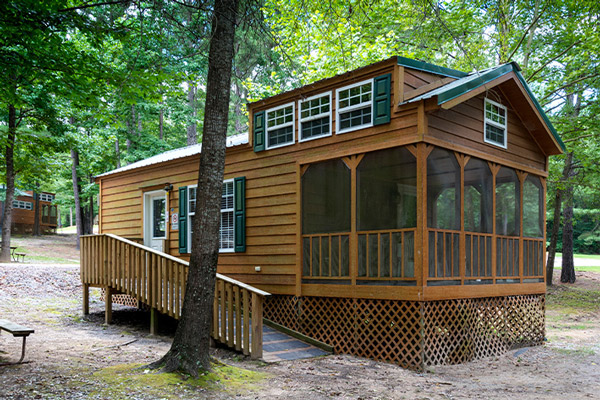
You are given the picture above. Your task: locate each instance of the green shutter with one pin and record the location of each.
(239, 192)
(183, 247)
(381, 99)
(259, 131)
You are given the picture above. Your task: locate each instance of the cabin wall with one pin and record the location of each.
(23, 220)
(272, 206)
(462, 126)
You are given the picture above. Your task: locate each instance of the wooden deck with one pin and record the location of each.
(158, 280)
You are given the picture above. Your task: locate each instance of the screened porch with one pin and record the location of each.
(420, 216)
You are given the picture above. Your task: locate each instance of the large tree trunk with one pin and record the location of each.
(556, 218)
(190, 349)
(10, 183)
(76, 191)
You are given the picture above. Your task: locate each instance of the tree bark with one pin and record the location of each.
(76, 191)
(556, 218)
(192, 134)
(117, 153)
(10, 183)
(567, 274)
(36, 215)
(189, 352)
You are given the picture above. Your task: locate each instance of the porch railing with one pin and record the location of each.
(159, 281)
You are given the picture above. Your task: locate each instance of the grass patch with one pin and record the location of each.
(50, 260)
(593, 256)
(573, 300)
(125, 381)
(576, 352)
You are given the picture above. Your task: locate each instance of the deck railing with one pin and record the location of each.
(159, 281)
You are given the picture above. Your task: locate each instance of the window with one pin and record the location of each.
(46, 197)
(227, 229)
(354, 107)
(280, 126)
(24, 205)
(315, 117)
(159, 218)
(495, 123)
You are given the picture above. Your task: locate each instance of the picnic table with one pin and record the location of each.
(15, 256)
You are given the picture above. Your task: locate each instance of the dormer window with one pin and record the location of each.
(315, 117)
(280, 126)
(355, 106)
(495, 123)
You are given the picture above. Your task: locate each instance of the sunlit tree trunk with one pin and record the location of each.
(10, 183)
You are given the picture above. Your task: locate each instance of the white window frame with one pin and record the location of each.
(228, 210)
(46, 197)
(286, 124)
(23, 205)
(338, 110)
(314, 117)
(191, 213)
(166, 219)
(495, 124)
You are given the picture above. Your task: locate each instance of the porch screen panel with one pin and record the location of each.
(533, 208)
(443, 213)
(443, 190)
(533, 229)
(507, 224)
(507, 203)
(386, 213)
(478, 218)
(326, 219)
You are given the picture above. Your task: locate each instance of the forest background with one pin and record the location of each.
(89, 86)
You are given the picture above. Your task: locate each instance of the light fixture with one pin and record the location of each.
(168, 187)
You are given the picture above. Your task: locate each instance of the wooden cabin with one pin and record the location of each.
(24, 210)
(396, 211)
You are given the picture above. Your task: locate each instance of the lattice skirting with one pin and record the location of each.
(414, 334)
(123, 299)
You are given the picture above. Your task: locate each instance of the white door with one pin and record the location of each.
(155, 219)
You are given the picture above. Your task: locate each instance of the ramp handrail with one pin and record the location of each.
(159, 280)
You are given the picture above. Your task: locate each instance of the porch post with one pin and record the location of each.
(108, 305)
(86, 299)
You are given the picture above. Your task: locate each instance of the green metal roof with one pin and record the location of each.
(435, 69)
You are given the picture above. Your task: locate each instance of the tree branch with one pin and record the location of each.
(84, 6)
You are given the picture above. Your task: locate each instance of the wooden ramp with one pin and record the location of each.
(158, 280)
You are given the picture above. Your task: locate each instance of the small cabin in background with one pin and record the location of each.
(24, 209)
(396, 211)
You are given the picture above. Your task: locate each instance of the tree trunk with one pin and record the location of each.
(161, 121)
(556, 218)
(37, 213)
(192, 135)
(76, 191)
(90, 226)
(567, 274)
(10, 183)
(117, 153)
(190, 349)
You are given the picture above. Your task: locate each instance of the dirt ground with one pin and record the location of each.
(70, 354)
